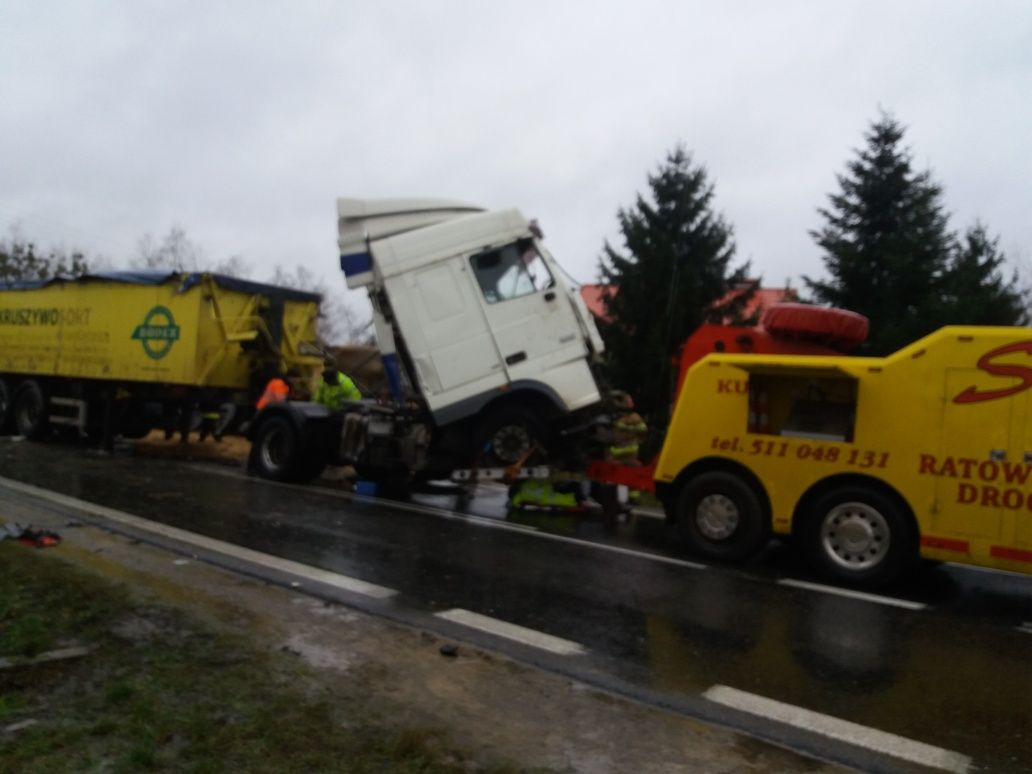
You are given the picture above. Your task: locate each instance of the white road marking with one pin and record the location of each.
(1025, 627)
(268, 561)
(841, 730)
(513, 632)
(480, 521)
(904, 603)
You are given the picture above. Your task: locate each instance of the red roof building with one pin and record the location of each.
(595, 295)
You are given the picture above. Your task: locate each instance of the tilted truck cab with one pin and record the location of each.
(468, 303)
(867, 462)
(488, 351)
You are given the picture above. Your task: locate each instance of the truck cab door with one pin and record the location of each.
(1022, 455)
(533, 323)
(982, 432)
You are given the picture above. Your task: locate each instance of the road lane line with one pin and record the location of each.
(513, 632)
(904, 603)
(1025, 627)
(480, 521)
(267, 561)
(841, 730)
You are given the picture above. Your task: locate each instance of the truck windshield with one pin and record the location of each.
(510, 272)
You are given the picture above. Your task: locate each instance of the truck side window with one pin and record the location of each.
(510, 272)
(818, 408)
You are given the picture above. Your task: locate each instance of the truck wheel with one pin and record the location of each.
(5, 406)
(860, 536)
(719, 515)
(274, 452)
(30, 410)
(505, 437)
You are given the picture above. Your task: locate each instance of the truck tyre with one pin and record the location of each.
(30, 410)
(5, 406)
(860, 536)
(505, 436)
(719, 515)
(275, 451)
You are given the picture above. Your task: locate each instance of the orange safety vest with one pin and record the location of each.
(276, 391)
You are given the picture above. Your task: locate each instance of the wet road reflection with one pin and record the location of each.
(956, 675)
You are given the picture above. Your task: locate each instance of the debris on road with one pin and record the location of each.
(30, 536)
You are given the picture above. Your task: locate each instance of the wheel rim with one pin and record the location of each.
(855, 536)
(717, 516)
(510, 443)
(274, 449)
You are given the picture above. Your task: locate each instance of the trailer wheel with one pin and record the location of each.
(860, 536)
(719, 515)
(30, 410)
(504, 437)
(274, 452)
(5, 406)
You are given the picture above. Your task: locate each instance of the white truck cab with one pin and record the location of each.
(488, 351)
(468, 305)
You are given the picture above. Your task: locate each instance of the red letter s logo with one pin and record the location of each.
(973, 395)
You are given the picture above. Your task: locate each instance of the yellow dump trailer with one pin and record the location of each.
(866, 462)
(146, 344)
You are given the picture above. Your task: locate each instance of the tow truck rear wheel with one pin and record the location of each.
(860, 536)
(30, 410)
(719, 515)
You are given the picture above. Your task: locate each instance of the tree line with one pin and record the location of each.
(886, 243)
(21, 260)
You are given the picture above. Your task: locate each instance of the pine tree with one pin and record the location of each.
(671, 277)
(977, 293)
(886, 243)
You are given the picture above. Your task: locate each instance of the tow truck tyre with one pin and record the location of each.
(274, 451)
(5, 406)
(720, 515)
(505, 436)
(30, 410)
(860, 536)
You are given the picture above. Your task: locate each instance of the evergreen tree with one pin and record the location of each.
(674, 274)
(886, 243)
(977, 293)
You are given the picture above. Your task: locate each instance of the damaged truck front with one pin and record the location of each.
(489, 353)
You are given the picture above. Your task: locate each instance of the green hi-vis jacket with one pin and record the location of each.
(334, 395)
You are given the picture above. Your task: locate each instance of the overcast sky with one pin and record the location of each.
(243, 121)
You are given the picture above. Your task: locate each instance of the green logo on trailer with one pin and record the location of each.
(158, 332)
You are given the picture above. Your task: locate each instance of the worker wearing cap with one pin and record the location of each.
(278, 388)
(335, 388)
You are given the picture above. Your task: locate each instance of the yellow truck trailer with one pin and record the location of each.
(868, 463)
(141, 347)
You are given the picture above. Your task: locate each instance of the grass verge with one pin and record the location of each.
(162, 691)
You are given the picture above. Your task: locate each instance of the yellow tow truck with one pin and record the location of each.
(869, 463)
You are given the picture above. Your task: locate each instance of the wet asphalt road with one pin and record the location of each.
(956, 673)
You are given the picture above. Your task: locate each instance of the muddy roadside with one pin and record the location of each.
(497, 712)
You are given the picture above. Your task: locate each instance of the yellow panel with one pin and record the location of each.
(148, 333)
